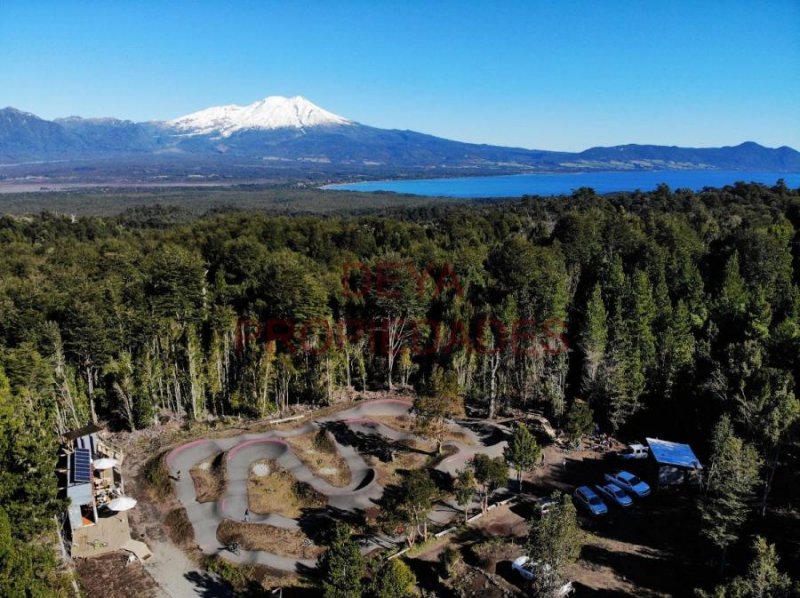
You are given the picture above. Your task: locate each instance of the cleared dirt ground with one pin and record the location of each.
(112, 576)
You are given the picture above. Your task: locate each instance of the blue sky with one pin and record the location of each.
(552, 75)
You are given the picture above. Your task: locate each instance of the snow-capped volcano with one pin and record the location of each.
(273, 112)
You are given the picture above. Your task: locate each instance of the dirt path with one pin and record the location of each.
(180, 577)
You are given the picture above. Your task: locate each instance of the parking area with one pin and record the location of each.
(628, 551)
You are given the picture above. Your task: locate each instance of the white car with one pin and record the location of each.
(527, 570)
(634, 451)
(629, 483)
(545, 504)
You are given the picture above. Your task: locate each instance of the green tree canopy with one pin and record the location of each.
(490, 474)
(342, 566)
(416, 497)
(394, 580)
(580, 420)
(761, 579)
(731, 479)
(522, 452)
(554, 543)
(465, 488)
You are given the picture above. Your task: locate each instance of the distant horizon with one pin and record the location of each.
(356, 121)
(563, 76)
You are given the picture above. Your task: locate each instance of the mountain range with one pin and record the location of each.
(279, 131)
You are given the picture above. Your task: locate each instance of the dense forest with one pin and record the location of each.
(672, 314)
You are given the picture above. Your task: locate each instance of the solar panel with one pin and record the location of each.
(82, 470)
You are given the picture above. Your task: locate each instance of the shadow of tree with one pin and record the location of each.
(318, 522)
(210, 586)
(582, 590)
(309, 575)
(487, 433)
(504, 570)
(428, 577)
(370, 444)
(646, 572)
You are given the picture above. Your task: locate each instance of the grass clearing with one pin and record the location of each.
(277, 540)
(209, 478)
(278, 492)
(324, 461)
(388, 473)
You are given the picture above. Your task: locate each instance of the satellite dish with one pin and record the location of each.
(105, 463)
(123, 503)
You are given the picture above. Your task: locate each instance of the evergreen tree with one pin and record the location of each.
(580, 420)
(434, 409)
(594, 337)
(762, 578)
(624, 376)
(522, 452)
(641, 314)
(416, 497)
(732, 300)
(394, 580)
(490, 474)
(732, 476)
(465, 488)
(28, 454)
(677, 349)
(342, 566)
(396, 302)
(554, 543)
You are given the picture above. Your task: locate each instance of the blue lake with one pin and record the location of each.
(565, 183)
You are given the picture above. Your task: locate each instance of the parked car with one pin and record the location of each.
(545, 504)
(587, 498)
(615, 494)
(634, 451)
(629, 482)
(527, 570)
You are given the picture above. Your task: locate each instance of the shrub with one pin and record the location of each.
(448, 558)
(179, 527)
(323, 441)
(306, 493)
(239, 577)
(157, 476)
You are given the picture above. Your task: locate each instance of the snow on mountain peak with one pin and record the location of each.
(273, 112)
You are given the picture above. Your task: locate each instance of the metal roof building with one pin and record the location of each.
(676, 462)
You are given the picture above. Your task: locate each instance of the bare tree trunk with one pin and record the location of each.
(127, 406)
(494, 364)
(89, 372)
(63, 381)
(773, 465)
(395, 329)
